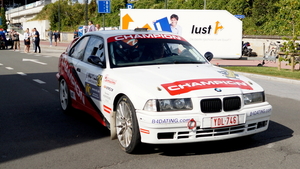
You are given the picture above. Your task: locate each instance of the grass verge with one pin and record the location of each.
(269, 71)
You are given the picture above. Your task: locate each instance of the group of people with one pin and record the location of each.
(91, 28)
(13, 39)
(34, 35)
(55, 35)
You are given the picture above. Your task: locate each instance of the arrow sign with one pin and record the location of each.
(125, 21)
(34, 61)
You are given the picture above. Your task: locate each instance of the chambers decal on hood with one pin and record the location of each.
(186, 86)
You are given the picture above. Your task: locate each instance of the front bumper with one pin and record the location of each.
(175, 127)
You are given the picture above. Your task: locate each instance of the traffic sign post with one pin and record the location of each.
(104, 7)
(129, 6)
(240, 16)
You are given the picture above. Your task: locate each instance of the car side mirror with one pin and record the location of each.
(95, 60)
(208, 56)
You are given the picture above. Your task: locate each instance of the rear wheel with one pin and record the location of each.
(64, 96)
(126, 124)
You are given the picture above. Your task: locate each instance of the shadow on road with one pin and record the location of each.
(31, 120)
(275, 132)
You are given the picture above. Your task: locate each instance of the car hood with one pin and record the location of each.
(187, 80)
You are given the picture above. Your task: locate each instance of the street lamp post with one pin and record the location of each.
(59, 16)
(166, 4)
(86, 12)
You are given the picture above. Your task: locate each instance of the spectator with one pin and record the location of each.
(75, 34)
(33, 39)
(50, 34)
(98, 27)
(16, 40)
(58, 35)
(37, 41)
(2, 34)
(91, 27)
(55, 37)
(11, 39)
(27, 36)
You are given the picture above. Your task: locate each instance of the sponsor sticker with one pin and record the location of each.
(169, 121)
(258, 112)
(185, 86)
(92, 85)
(144, 36)
(68, 69)
(109, 80)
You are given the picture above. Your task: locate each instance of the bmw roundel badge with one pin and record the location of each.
(218, 90)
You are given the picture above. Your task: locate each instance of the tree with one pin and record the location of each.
(3, 19)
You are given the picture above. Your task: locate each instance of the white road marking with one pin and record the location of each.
(9, 68)
(35, 61)
(21, 73)
(39, 81)
(1, 64)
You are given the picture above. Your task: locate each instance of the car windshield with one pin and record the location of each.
(136, 52)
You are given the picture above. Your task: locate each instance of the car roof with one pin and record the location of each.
(110, 33)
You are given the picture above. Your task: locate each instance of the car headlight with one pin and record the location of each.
(168, 104)
(250, 98)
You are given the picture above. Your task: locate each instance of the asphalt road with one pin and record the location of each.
(34, 133)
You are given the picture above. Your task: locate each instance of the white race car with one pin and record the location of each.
(154, 87)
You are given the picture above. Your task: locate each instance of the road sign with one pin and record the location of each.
(129, 6)
(103, 6)
(240, 16)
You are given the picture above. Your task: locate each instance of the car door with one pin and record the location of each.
(75, 55)
(90, 74)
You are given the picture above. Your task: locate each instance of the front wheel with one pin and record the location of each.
(64, 96)
(127, 126)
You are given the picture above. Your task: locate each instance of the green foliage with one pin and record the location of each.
(3, 19)
(290, 48)
(269, 71)
(272, 17)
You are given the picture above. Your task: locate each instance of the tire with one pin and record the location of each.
(64, 97)
(127, 126)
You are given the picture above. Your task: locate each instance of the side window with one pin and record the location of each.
(95, 47)
(78, 50)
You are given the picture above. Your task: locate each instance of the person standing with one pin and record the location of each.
(33, 38)
(98, 27)
(75, 34)
(55, 37)
(3, 37)
(58, 35)
(91, 27)
(27, 36)
(50, 34)
(16, 40)
(11, 38)
(37, 40)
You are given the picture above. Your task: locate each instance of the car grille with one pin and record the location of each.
(212, 132)
(215, 105)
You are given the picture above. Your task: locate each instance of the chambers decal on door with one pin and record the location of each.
(186, 86)
(92, 85)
